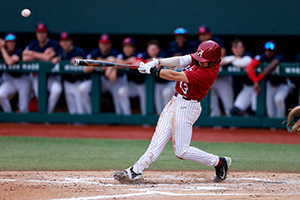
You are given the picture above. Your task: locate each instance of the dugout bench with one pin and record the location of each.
(97, 117)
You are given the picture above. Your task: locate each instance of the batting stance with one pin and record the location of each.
(179, 115)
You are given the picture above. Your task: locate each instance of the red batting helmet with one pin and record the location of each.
(208, 51)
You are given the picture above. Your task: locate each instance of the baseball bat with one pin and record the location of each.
(98, 63)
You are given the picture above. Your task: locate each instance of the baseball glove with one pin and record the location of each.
(293, 121)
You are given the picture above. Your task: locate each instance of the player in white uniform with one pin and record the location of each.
(179, 115)
(71, 82)
(239, 59)
(44, 49)
(278, 87)
(130, 88)
(111, 81)
(15, 82)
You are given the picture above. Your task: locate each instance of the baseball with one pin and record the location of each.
(25, 12)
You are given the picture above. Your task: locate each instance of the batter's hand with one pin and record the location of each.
(153, 63)
(144, 68)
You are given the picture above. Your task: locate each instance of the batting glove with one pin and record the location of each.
(153, 63)
(144, 68)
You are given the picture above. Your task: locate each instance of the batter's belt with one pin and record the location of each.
(176, 94)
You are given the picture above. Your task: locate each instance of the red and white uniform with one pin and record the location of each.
(177, 119)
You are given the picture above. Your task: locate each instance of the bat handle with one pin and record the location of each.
(76, 62)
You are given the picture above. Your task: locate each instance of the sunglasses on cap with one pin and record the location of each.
(180, 31)
(10, 37)
(270, 46)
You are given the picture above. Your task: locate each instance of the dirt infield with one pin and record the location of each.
(161, 185)
(91, 185)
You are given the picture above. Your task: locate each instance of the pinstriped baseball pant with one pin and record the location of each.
(176, 122)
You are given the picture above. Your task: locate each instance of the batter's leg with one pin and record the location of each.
(162, 135)
(186, 114)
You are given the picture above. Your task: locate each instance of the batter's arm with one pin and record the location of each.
(172, 75)
(175, 62)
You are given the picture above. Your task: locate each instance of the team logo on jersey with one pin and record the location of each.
(200, 53)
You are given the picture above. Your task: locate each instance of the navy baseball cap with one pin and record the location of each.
(41, 27)
(10, 37)
(269, 45)
(180, 31)
(203, 29)
(65, 36)
(129, 41)
(104, 38)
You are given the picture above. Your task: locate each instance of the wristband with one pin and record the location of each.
(154, 71)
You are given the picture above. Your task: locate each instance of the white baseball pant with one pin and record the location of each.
(247, 97)
(13, 85)
(54, 88)
(73, 97)
(275, 99)
(176, 121)
(85, 88)
(222, 88)
(133, 89)
(121, 104)
(163, 94)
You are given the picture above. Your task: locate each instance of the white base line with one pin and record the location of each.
(89, 181)
(173, 194)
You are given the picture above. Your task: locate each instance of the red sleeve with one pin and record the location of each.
(259, 77)
(250, 69)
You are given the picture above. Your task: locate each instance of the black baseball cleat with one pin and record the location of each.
(221, 172)
(128, 176)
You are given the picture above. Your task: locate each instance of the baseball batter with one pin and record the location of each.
(179, 115)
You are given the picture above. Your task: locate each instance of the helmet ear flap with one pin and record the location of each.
(213, 63)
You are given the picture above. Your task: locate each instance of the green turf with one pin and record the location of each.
(27, 153)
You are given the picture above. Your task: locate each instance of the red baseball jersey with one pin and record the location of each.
(200, 81)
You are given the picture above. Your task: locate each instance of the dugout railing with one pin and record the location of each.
(98, 117)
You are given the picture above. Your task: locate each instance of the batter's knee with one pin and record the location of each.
(179, 154)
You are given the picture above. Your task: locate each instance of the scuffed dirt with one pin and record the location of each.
(162, 185)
